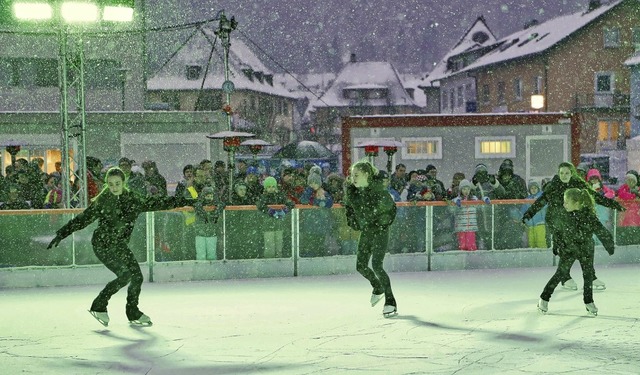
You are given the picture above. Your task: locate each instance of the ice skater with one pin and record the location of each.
(116, 209)
(370, 209)
(579, 228)
(552, 196)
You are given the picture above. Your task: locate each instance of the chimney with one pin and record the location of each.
(352, 59)
(593, 5)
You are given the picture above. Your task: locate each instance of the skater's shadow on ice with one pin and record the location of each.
(519, 337)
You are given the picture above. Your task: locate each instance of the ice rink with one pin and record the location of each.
(454, 322)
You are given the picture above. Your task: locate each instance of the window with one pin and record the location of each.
(611, 37)
(445, 100)
(103, 74)
(537, 85)
(517, 88)
(422, 148)
(635, 38)
(193, 72)
(604, 82)
(609, 130)
(495, 147)
(501, 92)
(46, 73)
(486, 94)
(460, 96)
(452, 98)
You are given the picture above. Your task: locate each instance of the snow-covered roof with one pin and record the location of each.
(539, 38)
(633, 60)
(365, 75)
(196, 51)
(465, 44)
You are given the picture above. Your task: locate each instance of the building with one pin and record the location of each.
(191, 80)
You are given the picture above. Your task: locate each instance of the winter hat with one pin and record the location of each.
(480, 168)
(632, 176)
(252, 170)
(465, 183)
(582, 167)
(269, 181)
(534, 183)
(315, 176)
(593, 173)
(383, 175)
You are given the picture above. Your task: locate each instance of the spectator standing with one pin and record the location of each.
(536, 228)
(594, 179)
(466, 217)
(315, 223)
(153, 177)
(289, 186)
(274, 228)
(399, 178)
(53, 198)
(629, 222)
(335, 187)
(241, 167)
(254, 188)
(454, 190)
(205, 225)
(31, 190)
(221, 180)
(14, 200)
(239, 197)
(188, 174)
(487, 186)
(432, 172)
(135, 180)
(507, 216)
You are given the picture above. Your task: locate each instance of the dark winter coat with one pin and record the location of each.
(116, 216)
(578, 233)
(206, 219)
(371, 207)
(553, 197)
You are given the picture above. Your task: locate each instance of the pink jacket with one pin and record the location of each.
(606, 191)
(630, 217)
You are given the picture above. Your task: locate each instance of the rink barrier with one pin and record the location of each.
(308, 241)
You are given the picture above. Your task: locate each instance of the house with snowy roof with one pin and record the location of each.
(192, 80)
(360, 88)
(574, 61)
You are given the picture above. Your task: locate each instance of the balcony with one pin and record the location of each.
(602, 100)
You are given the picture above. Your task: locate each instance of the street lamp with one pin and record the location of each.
(537, 102)
(64, 14)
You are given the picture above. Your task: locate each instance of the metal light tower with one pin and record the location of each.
(69, 18)
(223, 32)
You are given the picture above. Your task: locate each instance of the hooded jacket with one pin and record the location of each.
(579, 231)
(604, 190)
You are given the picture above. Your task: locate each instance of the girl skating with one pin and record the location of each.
(116, 209)
(370, 209)
(578, 230)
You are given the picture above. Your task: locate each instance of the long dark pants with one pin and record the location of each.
(558, 247)
(373, 246)
(120, 260)
(564, 265)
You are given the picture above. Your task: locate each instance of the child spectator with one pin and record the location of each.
(466, 218)
(536, 228)
(604, 214)
(273, 234)
(314, 223)
(206, 239)
(53, 199)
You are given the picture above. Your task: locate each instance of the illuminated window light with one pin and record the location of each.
(79, 12)
(117, 14)
(32, 11)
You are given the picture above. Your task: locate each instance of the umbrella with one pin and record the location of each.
(304, 150)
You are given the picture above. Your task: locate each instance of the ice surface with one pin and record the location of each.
(455, 322)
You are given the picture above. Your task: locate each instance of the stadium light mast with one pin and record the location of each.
(71, 17)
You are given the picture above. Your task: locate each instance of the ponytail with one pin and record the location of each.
(366, 167)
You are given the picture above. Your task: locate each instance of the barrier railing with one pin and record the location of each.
(423, 232)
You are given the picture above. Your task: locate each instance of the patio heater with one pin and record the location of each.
(231, 142)
(371, 149)
(255, 146)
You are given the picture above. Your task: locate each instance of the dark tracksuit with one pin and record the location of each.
(578, 231)
(116, 217)
(557, 216)
(372, 211)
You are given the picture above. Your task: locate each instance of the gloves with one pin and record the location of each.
(555, 250)
(457, 201)
(285, 210)
(486, 200)
(526, 217)
(272, 212)
(54, 242)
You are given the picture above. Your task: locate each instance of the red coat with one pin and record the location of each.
(630, 217)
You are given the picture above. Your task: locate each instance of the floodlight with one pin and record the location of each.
(74, 12)
(32, 11)
(117, 14)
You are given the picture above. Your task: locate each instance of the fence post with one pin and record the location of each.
(428, 234)
(151, 242)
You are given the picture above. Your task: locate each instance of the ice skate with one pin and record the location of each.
(389, 310)
(100, 316)
(598, 285)
(375, 298)
(570, 284)
(591, 309)
(142, 321)
(543, 306)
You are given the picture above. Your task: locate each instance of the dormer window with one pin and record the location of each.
(193, 72)
(248, 72)
(269, 79)
(259, 76)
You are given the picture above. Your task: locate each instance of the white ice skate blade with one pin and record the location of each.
(96, 315)
(389, 311)
(143, 321)
(375, 298)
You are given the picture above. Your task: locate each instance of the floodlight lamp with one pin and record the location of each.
(117, 14)
(32, 11)
(537, 102)
(77, 12)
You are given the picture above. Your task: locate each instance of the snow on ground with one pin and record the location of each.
(455, 322)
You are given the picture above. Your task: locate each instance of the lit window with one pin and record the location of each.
(495, 147)
(422, 148)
